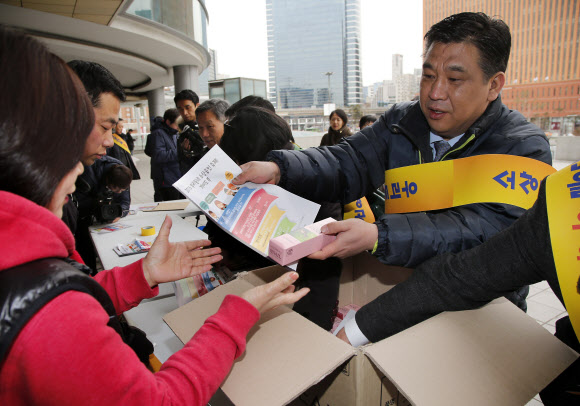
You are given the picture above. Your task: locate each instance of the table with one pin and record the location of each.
(190, 210)
(104, 243)
(181, 230)
(148, 316)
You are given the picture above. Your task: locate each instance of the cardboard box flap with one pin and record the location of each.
(285, 353)
(493, 355)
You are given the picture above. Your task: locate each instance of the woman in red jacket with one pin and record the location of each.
(66, 353)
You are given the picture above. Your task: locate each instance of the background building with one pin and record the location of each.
(149, 45)
(208, 75)
(234, 89)
(314, 53)
(543, 75)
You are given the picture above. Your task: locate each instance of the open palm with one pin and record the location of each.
(170, 261)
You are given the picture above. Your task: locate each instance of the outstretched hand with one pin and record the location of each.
(352, 236)
(276, 293)
(170, 261)
(258, 172)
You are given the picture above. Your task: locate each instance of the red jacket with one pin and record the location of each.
(66, 354)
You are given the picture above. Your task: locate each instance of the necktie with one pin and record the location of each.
(441, 147)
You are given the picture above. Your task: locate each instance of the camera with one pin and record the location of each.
(106, 210)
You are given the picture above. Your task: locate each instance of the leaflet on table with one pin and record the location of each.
(109, 228)
(134, 247)
(252, 213)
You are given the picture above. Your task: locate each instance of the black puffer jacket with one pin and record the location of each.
(356, 166)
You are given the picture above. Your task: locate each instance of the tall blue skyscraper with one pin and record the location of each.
(310, 42)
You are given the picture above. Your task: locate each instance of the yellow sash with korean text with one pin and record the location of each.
(359, 209)
(121, 142)
(563, 203)
(490, 178)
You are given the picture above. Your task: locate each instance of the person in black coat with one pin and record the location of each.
(518, 256)
(461, 106)
(162, 147)
(105, 182)
(121, 150)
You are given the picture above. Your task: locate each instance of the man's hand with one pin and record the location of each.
(352, 236)
(342, 335)
(258, 172)
(185, 144)
(117, 219)
(276, 293)
(170, 261)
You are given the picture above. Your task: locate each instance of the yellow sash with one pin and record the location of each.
(359, 209)
(563, 203)
(121, 142)
(505, 179)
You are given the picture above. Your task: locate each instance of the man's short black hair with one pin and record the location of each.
(187, 95)
(171, 115)
(97, 80)
(491, 36)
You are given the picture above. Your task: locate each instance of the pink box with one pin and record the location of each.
(300, 243)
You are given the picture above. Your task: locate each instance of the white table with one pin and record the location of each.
(181, 230)
(190, 210)
(104, 243)
(148, 316)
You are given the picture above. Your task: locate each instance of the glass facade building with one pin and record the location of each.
(314, 52)
(189, 17)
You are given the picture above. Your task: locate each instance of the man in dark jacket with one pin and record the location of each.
(164, 161)
(464, 68)
(106, 94)
(520, 255)
(95, 188)
(190, 146)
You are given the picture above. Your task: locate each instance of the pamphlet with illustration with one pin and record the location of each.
(252, 213)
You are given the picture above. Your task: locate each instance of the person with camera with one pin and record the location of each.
(102, 195)
(190, 145)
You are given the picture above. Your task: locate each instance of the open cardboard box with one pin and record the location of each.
(493, 355)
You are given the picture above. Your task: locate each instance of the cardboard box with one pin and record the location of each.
(496, 355)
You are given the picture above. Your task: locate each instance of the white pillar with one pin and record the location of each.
(156, 99)
(186, 77)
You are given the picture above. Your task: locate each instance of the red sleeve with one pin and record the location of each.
(126, 285)
(67, 355)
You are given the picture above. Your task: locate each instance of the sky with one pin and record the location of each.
(237, 31)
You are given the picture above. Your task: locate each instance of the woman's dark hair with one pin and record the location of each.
(39, 146)
(252, 133)
(119, 176)
(340, 113)
(247, 101)
(491, 36)
(368, 119)
(333, 137)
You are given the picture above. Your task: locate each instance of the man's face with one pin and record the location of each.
(101, 137)
(119, 128)
(210, 128)
(454, 92)
(186, 109)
